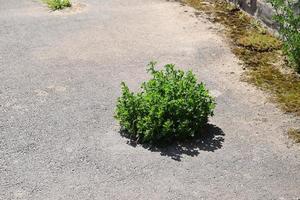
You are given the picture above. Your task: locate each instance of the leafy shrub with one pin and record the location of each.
(58, 4)
(171, 106)
(289, 28)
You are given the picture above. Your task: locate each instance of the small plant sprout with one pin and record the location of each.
(58, 4)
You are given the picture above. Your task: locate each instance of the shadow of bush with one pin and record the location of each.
(210, 139)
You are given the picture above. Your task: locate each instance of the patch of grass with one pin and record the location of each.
(294, 134)
(259, 50)
(58, 4)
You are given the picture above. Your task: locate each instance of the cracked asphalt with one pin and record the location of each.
(60, 75)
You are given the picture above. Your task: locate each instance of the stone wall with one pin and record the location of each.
(261, 10)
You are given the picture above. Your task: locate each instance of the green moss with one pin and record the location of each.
(259, 42)
(284, 87)
(294, 134)
(255, 60)
(260, 52)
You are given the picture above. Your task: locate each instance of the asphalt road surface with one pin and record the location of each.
(60, 75)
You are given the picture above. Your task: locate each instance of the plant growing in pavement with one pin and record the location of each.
(58, 4)
(171, 106)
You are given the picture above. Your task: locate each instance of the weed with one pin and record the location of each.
(289, 28)
(58, 4)
(171, 106)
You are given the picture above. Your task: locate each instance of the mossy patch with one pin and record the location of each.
(294, 134)
(259, 50)
(284, 87)
(259, 42)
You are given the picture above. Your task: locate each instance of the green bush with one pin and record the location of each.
(289, 28)
(171, 106)
(58, 4)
